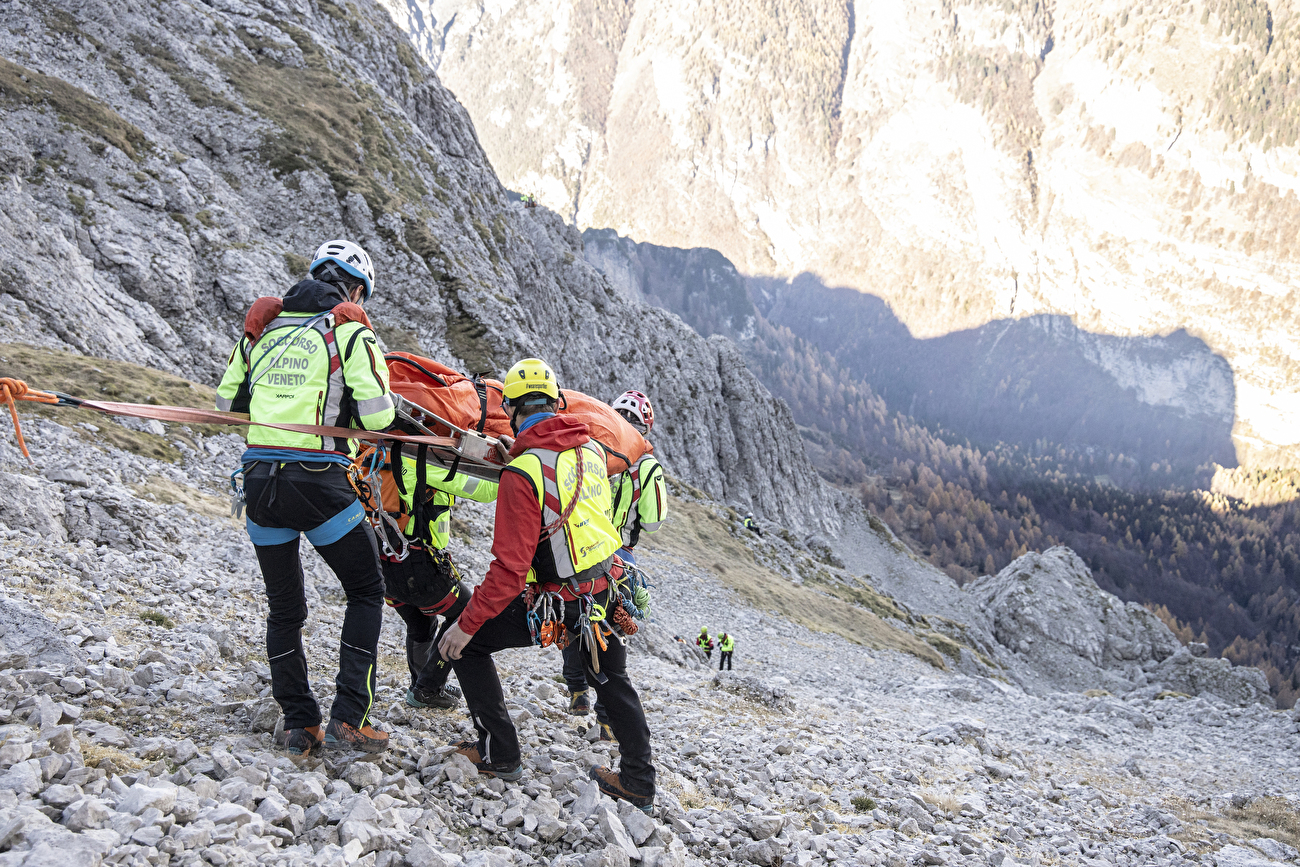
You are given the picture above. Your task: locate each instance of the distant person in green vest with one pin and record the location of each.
(726, 646)
(751, 525)
(705, 643)
(640, 504)
(426, 584)
(312, 359)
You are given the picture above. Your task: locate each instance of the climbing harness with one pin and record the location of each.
(363, 475)
(545, 623)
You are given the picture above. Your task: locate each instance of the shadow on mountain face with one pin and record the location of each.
(1038, 382)
(1163, 400)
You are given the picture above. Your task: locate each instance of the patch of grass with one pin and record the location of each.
(22, 86)
(99, 379)
(944, 645)
(325, 123)
(943, 801)
(205, 217)
(1169, 693)
(399, 339)
(157, 618)
(93, 754)
(297, 265)
(863, 803)
(170, 493)
(1269, 816)
(1096, 693)
(78, 202)
(196, 91)
(694, 534)
(466, 334)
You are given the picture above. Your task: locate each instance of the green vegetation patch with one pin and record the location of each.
(22, 86)
(696, 535)
(157, 618)
(197, 92)
(325, 123)
(99, 379)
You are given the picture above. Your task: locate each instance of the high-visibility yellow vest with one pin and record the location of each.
(587, 539)
(728, 644)
(306, 370)
(640, 500)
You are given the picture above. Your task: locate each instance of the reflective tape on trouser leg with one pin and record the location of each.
(355, 685)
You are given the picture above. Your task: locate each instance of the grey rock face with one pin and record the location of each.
(150, 244)
(31, 504)
(1074, 635)
(26, 631)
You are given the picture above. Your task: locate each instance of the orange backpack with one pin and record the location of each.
(475, 404)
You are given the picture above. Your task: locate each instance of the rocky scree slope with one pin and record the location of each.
(167, 163)
(136, 720)
(1130, 166)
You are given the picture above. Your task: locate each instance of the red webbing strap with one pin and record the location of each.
(189, 415)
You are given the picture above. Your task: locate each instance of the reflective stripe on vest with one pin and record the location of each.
(587, 538)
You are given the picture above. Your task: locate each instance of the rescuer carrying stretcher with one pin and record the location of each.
(311, 358)
(553, 550)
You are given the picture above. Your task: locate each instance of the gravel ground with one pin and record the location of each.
(136, 724)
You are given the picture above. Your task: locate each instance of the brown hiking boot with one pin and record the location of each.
(341, 736)
(508, 771)
(608, 782)
(301, 742)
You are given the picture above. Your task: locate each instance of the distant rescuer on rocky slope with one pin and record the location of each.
(311, 358)
(552, 536)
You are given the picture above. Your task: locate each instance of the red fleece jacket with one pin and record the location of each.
(518, 526)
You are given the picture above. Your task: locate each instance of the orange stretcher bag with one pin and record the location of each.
(474, 403)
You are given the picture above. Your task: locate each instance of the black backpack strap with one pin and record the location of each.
(421, 493)
(480, 386)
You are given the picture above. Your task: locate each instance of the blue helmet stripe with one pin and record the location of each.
(351, 269)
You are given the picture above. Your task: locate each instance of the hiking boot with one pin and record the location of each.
(442, 698)
(301, 742)
(609, 783)
(341, 736)
(580, 702)
(508, 771)
(607, 733)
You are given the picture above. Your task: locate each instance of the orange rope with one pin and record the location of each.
(13, 390)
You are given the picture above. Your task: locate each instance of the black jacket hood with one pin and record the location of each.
(313, 296)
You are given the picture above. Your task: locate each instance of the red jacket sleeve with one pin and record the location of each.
(514, 542)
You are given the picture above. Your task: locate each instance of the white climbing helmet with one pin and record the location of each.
(351, 258)
(638, 405)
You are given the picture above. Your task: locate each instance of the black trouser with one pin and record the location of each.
(429, 671)
(724, 658)
(302, 497)
(498, 741)
(708, 652)
(575, 676)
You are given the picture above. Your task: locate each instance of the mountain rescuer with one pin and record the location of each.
(705, 643)
(312, 359)
(553, 542)
(726, 645)
(426, 583)
(751, 525)
(640, 503)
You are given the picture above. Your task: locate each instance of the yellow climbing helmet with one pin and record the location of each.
(529, 376)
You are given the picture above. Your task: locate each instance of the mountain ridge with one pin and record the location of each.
(966, 162)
